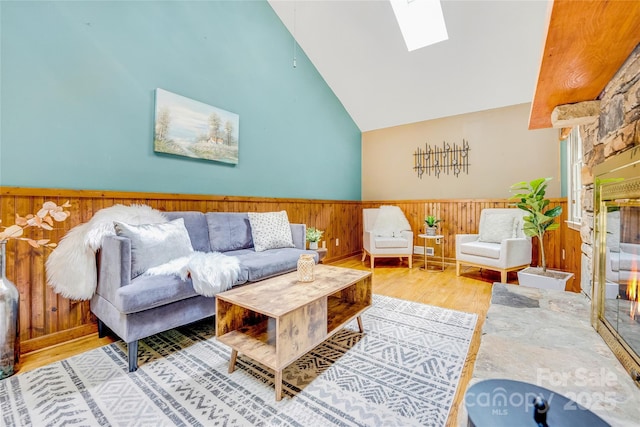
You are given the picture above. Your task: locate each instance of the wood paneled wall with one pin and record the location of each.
(47, 319)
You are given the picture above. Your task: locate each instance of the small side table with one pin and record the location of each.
(322, 252)
(438, 239)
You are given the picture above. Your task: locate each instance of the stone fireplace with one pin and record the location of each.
(611, 214)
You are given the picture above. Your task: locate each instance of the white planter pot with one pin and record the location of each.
(532, 277)
(313, 245)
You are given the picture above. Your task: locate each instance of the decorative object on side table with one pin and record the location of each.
(9, 294)
(313, 237)
(536, 224)
(305, 268)
(431, 224)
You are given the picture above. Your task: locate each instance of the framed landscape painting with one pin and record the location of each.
(189, 128)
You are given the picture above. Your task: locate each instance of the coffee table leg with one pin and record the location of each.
(360, 324)
(232, 361)
(278, 385)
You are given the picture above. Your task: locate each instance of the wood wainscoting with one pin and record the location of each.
(47, 319)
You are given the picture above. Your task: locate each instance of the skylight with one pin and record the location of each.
(421, 22)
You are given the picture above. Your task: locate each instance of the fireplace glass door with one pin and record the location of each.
(616, 257)
(622, 259)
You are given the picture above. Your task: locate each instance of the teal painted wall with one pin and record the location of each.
(77, 107)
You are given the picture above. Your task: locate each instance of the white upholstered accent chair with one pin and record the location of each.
(387, 234)
(500, 244)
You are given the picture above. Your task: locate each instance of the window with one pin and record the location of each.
(421, 22)
(574, 175)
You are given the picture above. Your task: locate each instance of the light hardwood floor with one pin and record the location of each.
(470, 292)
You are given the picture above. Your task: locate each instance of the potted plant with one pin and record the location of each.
(431, 223)
(539, 220)
(313, 236)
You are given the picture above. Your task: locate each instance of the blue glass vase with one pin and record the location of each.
(9, 317)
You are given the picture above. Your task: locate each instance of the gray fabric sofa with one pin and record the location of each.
(136, 308)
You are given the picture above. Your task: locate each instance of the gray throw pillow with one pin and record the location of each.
(270, 230)
(155, 244)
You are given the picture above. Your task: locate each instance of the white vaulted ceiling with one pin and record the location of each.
(490, 60)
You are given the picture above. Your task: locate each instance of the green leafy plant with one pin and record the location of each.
(431, 221)
(313, 234)
(540, 219)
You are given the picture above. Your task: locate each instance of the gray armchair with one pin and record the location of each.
(500, 244)
(382, 239)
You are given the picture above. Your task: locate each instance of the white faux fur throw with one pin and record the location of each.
(390, 222)
(211, 272)
(71, 267)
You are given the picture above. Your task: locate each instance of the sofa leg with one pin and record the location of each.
(364, 255)
(132, 348)
(410, 261)
(503, 276)
(101, 329)
(457, 268)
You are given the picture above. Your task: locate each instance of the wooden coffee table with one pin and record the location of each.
(277, 320)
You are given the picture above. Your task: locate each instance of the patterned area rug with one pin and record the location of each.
(403, 371)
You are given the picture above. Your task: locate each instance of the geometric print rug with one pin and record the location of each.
(402, 371)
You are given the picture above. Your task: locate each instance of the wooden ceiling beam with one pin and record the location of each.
(585, 45)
